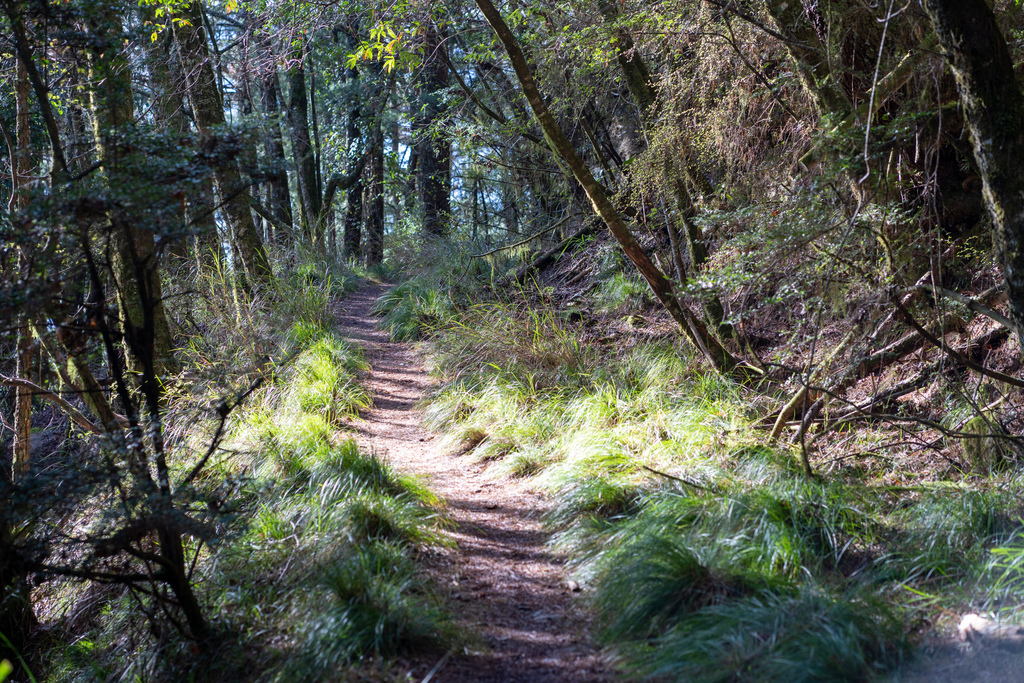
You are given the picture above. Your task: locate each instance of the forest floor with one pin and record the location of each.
(503, 586)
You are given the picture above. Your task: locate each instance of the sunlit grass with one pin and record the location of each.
(706, 554)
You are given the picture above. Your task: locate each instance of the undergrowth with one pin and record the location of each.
(313, 567)
(705, 554)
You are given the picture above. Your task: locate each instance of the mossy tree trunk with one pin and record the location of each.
(994, 108)
(201, 85)
(302, 147)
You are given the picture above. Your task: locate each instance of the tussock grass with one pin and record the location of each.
(313, 565)
(326, 379)
(945, 533)
(705, 554)
(367, 601)
(412, 310)
(808, 635)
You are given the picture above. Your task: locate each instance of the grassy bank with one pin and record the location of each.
(308, 564)
(704, 551)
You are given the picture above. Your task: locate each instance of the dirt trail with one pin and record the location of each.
(501, 584)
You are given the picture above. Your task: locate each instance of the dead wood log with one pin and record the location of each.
(545, 257)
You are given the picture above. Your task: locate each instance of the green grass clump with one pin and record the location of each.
(368, 471)
(326, 380)
(367, 602)
(400, 520)
(307, 290)
(946, 532)
(808, 635)
(652, 582)
(602, 496)
(731, 585)
(411, 310)
(623, 292)
(514, 341)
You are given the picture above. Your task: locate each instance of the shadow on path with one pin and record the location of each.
(501, 584)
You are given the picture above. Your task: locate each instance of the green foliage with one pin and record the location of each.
(367, 601)
(946, 532)
(812, 635)
(412, 310)
(317, 542)
(399, 520)
(307, 291)
(326, 380)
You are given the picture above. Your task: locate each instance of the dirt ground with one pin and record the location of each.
(505, 588)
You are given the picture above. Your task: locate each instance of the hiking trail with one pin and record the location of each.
(501, 583)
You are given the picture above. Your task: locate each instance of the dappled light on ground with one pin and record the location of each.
(504, 587)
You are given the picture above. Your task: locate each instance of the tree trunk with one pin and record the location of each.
(641, 87)
(434, 173)
(375, 198)
(302, 148)
(279, 199)
(352, 247)
(994, 108)
(710, 347)
(22, 163)
(143, 320)
(201, 85)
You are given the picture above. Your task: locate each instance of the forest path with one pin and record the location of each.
(501, 584)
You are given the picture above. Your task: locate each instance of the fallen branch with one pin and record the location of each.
(974, 303)
(679, 479)
(801, 394)
(954, 354)
(545, 257)
(529, 239)
(949, 252)
(73, 412)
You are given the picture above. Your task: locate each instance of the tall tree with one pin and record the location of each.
(21, 170)
(140, 292)
(374, 251)
(352, 242)
(167, 87)
(433, 173)
(310, 192)
(676, 162)
(208, 110)
(278, 196)
(994, 105)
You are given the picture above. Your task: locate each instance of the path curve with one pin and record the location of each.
(501, 583)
